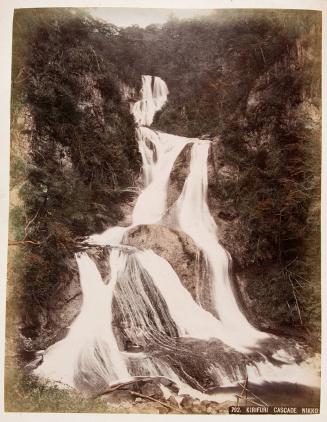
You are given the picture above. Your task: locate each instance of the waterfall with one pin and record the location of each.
(151, 101)
(90, 349)
(194, 219)
(151, 204)
(144, 322)
(191, 319)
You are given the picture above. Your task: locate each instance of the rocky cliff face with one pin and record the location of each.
(47, 175)
(176, 247)
(55, 317)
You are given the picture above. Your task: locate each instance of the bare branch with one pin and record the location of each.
(22, 242)
(135, 393)
(30, 222)
(263, 56)
(296, 301)
(175, 409)
(247, 389)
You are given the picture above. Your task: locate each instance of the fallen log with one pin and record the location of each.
(121, 386)
(175, 409)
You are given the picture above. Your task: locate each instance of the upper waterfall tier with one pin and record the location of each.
(153, 96)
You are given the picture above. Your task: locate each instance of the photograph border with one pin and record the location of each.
(6, 9)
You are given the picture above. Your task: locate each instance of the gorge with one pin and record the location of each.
(141, 320)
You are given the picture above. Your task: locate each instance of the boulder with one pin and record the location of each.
(211, 410)
(196, 402)
(120, 396)
(152, 390)
(169, 384)
(100, 255)
(174, 246)
(172, 401)
(187, 402)
(178, 175)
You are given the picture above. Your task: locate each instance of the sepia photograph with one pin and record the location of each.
(164, 218)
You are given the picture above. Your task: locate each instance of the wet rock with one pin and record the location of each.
(205, 403)
(212, 407)
(196, 402)
(202, 408)
(174, 246)
(187, 402)
(197, 407)
(206, 137)
(152, 390)
(63, 307)
(169, 384)
(211, 410)
(48, 324)
(172, 401)
(120, 396)
(100, 255)
(178, 175)
(34, 363)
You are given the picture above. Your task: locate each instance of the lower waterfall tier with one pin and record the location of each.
(144, 322)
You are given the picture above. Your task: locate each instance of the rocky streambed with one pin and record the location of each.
(159, 395)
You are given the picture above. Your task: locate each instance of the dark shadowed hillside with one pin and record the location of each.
(74, 153)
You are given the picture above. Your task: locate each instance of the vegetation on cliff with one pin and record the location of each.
(251, 81)
(77, 158)
(248, 79)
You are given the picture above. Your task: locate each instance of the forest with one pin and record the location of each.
(248, 80)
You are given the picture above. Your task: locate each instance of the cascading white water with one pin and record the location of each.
(147, 152)
(151, 101)
(145, 299)
(90, 347)
(190, 318)
(158, 158)
(151, 204)
(137, 298)
(194, 219)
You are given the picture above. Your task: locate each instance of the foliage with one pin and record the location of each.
(81, 155)
(249, 79)
(28, 394)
